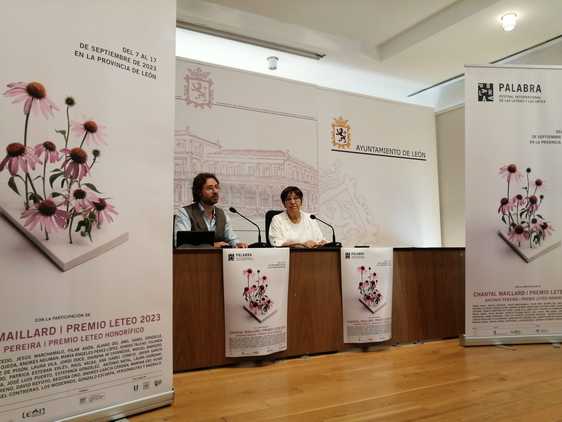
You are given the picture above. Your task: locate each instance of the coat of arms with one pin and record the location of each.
(199, 90)
(341, 133)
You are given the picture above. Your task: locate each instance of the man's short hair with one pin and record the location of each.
(198, 183)
(291, 189)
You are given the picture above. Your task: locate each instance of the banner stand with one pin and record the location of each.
(86, 289)
(123, 410)
(513, 288)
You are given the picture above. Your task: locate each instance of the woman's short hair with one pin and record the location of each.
(198, 183)
(291, 189)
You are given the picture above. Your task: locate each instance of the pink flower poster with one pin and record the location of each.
(55, 202)
(513, 205)
(86, 152)
(256, 283)
(366, 277)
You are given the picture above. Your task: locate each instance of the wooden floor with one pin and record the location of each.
(437, 381)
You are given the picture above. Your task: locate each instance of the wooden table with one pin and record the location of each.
(428, 302)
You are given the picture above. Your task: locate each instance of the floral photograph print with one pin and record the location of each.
(526, 227)
(55, 200)
(369, 294)
(256, 301)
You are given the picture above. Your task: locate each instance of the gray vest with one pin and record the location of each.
(198, 223)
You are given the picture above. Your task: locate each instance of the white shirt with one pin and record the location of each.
(283, 230)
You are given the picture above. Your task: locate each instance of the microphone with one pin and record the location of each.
(259, 243)
(333, 244)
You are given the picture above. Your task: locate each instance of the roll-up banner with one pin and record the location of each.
(86, 146)
(513, 204)
(366, 278)
(256, 285)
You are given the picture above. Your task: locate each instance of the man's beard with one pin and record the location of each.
(210, 201)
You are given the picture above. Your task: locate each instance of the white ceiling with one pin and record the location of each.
(366, 20)
(409, 44)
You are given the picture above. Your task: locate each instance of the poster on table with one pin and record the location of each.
(513, 204)
(256, 285)
(85, 290)
(366, 281)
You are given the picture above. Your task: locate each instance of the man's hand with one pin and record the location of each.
(219, 244)
(242, 245)
(310, 244)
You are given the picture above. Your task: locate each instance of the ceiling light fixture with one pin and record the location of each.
(272, 62)
(508, 21)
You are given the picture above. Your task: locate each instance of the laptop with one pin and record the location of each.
(191, 239)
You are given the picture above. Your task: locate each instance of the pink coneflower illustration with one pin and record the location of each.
(518, 200)
(49, 150)
(538, 184)
(533, 203)
(90, 131)
(19, 157)
(369, 293)
(505, 206)
(247, 273)
(104, 211)
(536, 225)
(82, 199)
(521, 214)
(75, 166)
(510, 172)
(47, 214)
(35, 96)
(518, 234)
(547, 228)
(257, 301)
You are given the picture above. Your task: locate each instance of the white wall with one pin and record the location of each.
(450, 150)
(261, 133)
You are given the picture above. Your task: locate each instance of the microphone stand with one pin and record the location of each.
(333, 243)
(259, 243)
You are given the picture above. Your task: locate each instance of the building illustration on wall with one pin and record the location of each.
(251, 179)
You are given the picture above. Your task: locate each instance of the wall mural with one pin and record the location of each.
(259, 134)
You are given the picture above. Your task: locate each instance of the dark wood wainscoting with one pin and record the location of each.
(428, 302)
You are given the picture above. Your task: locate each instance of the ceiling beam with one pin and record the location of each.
(429, 26)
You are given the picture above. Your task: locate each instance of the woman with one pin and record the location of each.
(294, 227)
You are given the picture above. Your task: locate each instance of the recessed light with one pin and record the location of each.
(508, 21)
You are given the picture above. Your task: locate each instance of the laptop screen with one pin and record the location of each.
(191, 238)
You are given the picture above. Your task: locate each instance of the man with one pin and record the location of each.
(203, 215)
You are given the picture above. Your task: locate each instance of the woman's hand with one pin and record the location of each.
(311, 244)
